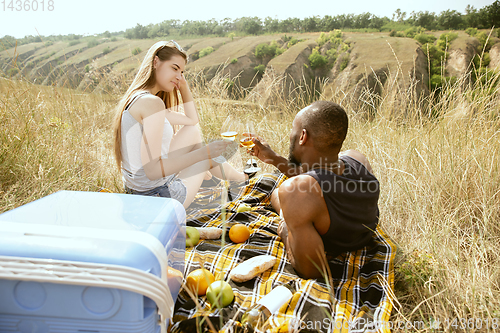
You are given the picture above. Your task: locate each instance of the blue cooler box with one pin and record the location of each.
(121, 244)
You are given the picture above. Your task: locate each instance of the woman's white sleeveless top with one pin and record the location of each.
(134, 176)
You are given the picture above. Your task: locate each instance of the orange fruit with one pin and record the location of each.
(198, 281)
(239, 233)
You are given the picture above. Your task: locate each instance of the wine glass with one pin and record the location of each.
(246, 141)
(229, 129)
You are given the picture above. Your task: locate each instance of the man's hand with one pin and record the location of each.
(261, 150)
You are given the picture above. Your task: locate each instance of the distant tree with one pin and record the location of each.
(450, 19)
(286, 25)
(426, 20)
(7, 42)
(311, 24)
(249, 25)
(399, 15)
(271, 25)
(493, 14)
(297, 24)
(471, 17)
(139, 32)
(377, 22)
(362, 21)
(345, 21)
(155, 32)
(227, 25)
(327, 23)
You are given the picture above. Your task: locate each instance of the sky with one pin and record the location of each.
(97, 16)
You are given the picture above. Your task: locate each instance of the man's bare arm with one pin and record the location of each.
(264, 152)
(303, 243)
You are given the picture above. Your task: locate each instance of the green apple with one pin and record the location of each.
(192, 236)
(243, 208)
(220, 294)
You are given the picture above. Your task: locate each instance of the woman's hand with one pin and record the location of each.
(216, 148)
(182, 84)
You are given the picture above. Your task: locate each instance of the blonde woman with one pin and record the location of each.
(154, 159)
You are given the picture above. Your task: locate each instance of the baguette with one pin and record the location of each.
(209, 233)
(252, 267)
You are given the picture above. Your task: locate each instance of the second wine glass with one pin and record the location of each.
(247, 134)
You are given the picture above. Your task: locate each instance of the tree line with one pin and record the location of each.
(483, 18)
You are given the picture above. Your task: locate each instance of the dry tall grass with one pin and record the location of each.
(438, 164)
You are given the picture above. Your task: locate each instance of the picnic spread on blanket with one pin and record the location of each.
(356, 296)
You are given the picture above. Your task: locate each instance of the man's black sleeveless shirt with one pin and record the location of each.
(351, 199)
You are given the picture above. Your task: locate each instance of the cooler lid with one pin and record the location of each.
(97, 227)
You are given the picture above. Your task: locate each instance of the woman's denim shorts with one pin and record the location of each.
(173, 188)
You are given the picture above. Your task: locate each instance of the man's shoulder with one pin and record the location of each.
(358, 156)
(300, 188)
(301, 199)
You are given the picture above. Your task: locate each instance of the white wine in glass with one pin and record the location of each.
(229, 129)
(246, 141)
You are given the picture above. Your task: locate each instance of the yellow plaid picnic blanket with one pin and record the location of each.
(357, 298)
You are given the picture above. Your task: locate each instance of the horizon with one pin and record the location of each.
(66, 18)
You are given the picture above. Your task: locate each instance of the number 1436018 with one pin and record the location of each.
(28, 5)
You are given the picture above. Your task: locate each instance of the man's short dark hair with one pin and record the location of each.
(327, 123)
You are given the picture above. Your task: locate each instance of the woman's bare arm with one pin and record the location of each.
(153, 124)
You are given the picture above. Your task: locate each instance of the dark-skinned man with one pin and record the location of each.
(329, 202)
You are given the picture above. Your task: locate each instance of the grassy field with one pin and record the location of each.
(438, 164)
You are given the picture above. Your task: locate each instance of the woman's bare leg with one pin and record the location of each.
(185, 140)
(188, 138)
(230, 172)
(192, 177)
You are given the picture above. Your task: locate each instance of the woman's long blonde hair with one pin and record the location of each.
(144, 79)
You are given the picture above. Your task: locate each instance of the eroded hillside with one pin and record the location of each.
(371, 62)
